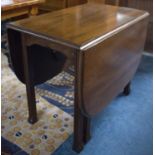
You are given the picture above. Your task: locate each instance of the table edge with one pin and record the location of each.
(113, 32)
(84, 46)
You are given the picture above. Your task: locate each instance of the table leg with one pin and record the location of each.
(86, 129)
(31, 103)
(127, 89)
(81, 130)
(81, 122)
(78, 116)
(29, 85)
(78, 143)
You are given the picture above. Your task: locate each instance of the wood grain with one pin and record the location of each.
(104, 43)
(51, 5)
(110, 66)
(78, 26)
(146, 5)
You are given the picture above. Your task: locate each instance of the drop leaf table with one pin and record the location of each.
(103, 42)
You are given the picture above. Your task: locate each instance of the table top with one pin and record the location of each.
(14, 4)
(80, 27)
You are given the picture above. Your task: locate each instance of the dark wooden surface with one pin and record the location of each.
(51, 5)
(78, 26)
(104, 44)
(80, 121)
(110, 65)
(29, 83)
(146, 5)
(75, 2)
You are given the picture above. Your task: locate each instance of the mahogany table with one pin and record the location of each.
(105, 44)
(14, 8)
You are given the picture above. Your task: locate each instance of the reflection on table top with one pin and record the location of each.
(81, 26)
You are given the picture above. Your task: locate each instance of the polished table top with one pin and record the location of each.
(81, 26)
(14, 4)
